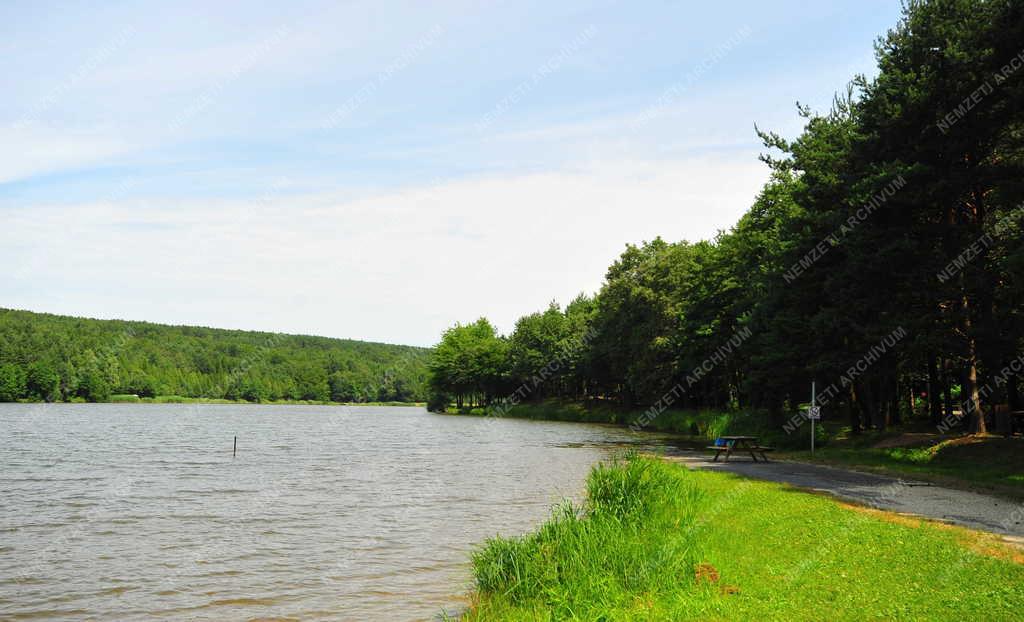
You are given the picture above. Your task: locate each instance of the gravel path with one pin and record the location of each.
(969, 509)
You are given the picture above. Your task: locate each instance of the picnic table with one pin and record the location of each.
(731, 444)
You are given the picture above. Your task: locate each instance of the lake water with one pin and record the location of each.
(131, 512)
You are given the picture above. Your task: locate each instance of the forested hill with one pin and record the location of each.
(53, 357)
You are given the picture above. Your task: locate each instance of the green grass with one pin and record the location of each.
(763, 552)
(121, 398)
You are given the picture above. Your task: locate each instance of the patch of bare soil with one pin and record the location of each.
(706, 572)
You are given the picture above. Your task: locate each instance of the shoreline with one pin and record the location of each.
(943, 460)
(693, 425)
(177, 399)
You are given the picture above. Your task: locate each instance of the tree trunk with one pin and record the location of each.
(947, 389)
(973, 399)
(909, 392)
(934, 395)
(878, 403)
(894, 403)
(976, 211)
(869, 406)
(854, 411)
(774, 405)
(1013, 392)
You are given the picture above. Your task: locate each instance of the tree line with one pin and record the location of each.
(47, 357)
(897, 211)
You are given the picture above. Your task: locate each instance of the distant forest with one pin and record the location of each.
(51, 357)
(884, 259)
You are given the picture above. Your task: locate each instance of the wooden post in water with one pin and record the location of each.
(234, 448)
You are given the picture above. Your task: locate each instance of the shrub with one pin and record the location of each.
(438, 402)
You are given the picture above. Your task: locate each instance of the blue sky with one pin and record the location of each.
(382, 170)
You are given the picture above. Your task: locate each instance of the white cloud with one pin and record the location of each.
(32, 148)
(400, 266)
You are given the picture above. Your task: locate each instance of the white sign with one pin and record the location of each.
(814, 412)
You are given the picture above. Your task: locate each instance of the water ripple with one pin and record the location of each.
(136, 512)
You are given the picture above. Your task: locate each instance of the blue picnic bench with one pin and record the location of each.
(730, 444)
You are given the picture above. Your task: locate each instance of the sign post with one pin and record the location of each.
(813, 413)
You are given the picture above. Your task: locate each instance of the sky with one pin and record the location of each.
(383, 170)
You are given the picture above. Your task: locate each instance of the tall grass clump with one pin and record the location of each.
(585, 562)
(765, 552)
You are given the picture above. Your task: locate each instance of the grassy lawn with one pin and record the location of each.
(657, 541)
(991, 463)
